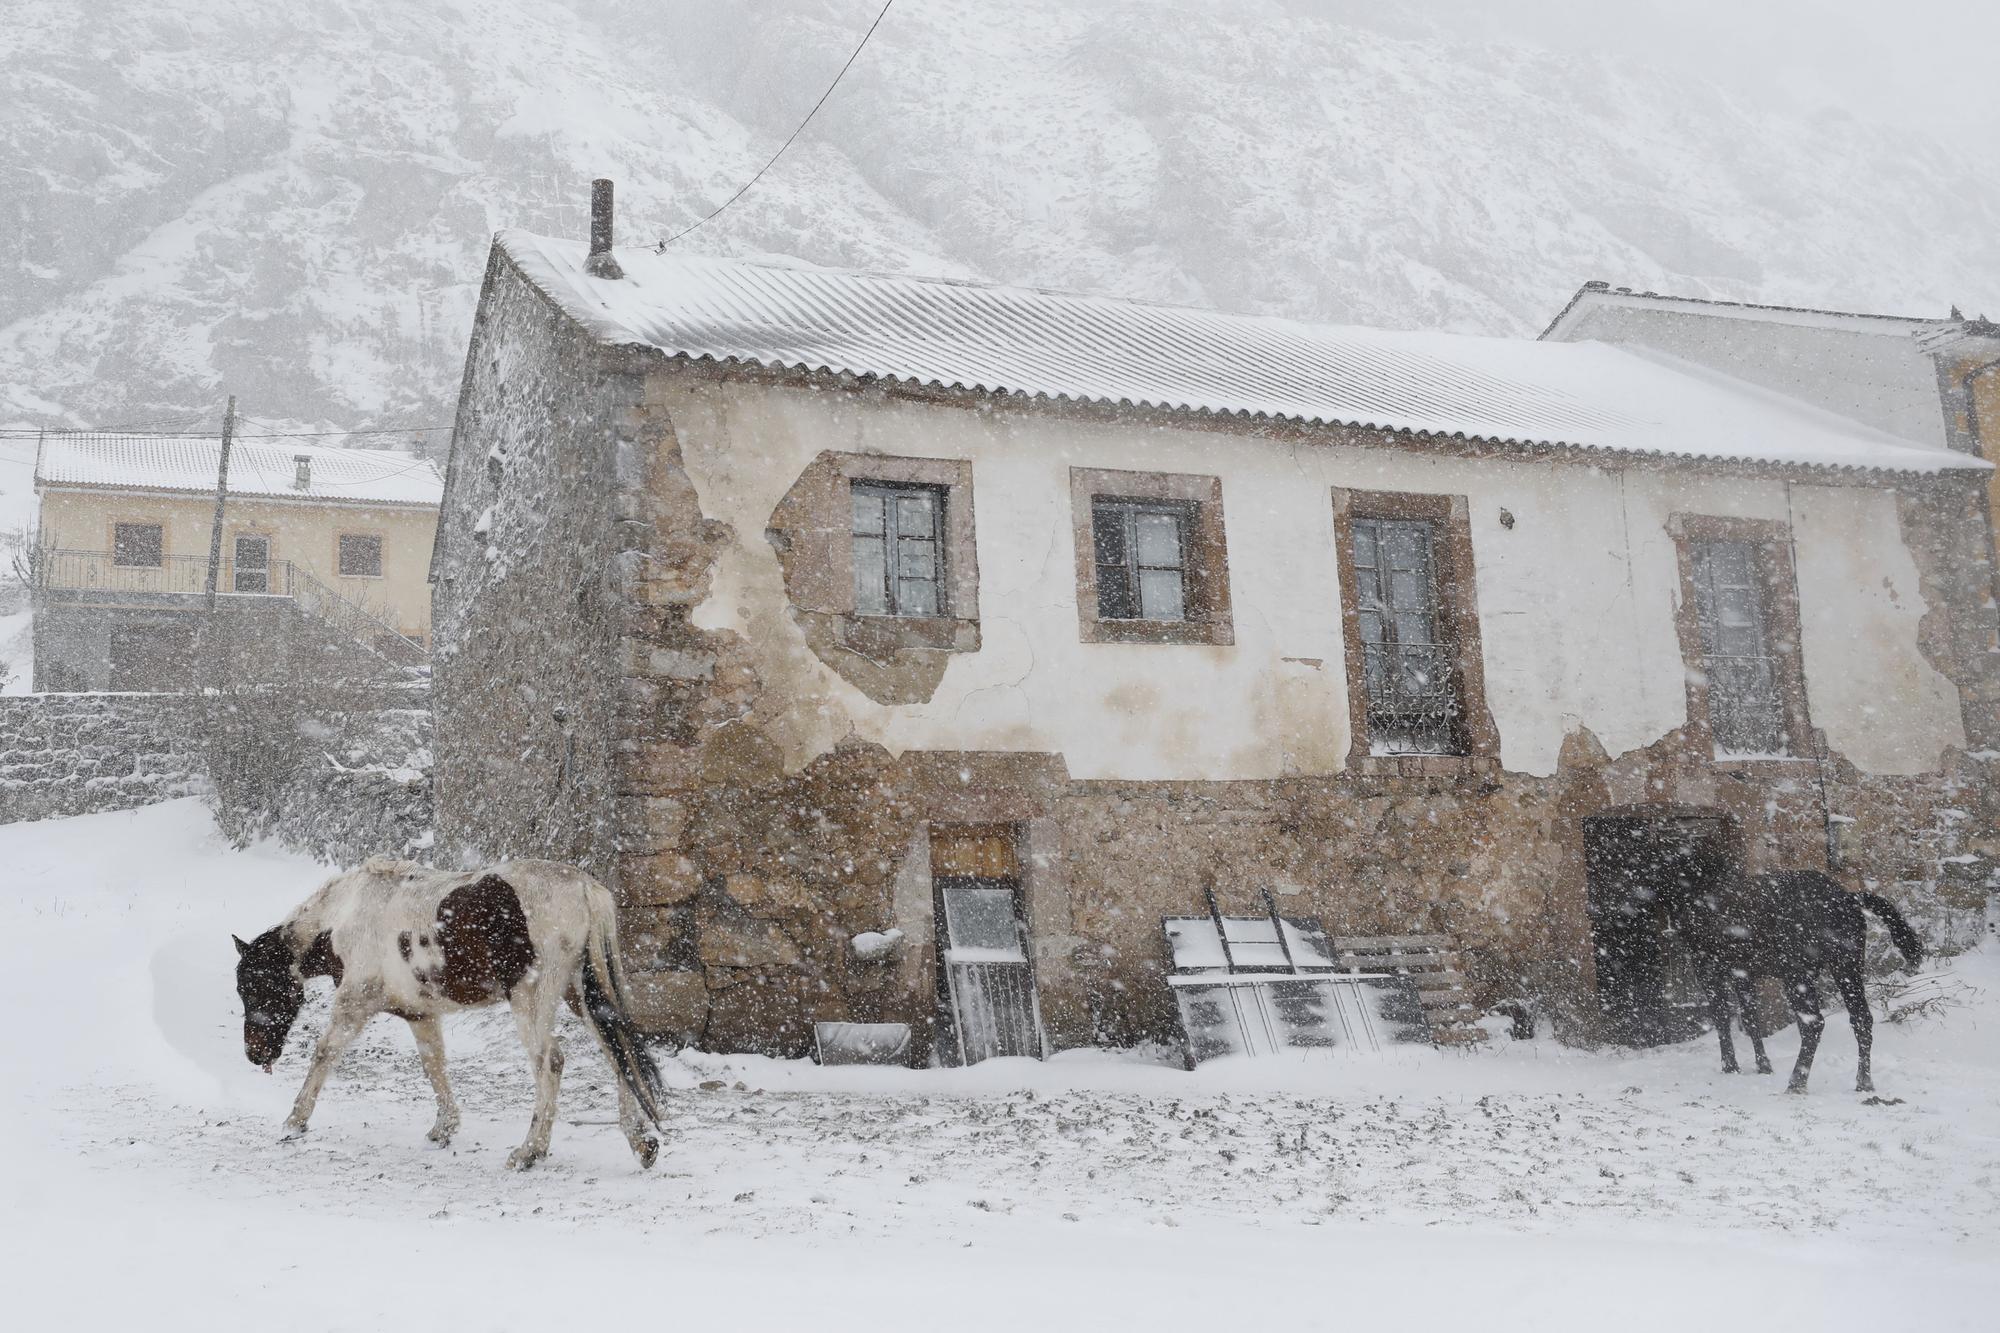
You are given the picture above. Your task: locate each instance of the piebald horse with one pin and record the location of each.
(402, 939)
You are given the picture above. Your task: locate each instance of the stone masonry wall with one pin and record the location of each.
(529, 590)
(743, 885)
(74, 754)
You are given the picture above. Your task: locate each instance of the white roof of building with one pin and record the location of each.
(1585, 396)
(256, 467)
(1851, 321)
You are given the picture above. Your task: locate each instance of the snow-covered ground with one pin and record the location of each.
(1523, 1187)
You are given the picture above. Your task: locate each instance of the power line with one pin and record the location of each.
(12, 433)
(669, 240)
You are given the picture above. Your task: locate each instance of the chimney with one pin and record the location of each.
(600, 264)
(302, 478)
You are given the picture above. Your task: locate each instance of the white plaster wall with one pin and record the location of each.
(1880, 703)
(1576, 600)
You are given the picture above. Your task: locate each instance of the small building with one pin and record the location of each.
(910, 651)
(323, 561)
(1930, 381)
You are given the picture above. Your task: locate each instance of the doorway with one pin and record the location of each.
(987, 999)
(253, 564)
(1648, 993)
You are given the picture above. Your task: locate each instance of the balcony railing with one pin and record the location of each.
(98, 574)
(1413, 704)
(58, 570)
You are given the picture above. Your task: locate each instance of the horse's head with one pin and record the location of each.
(267, 981)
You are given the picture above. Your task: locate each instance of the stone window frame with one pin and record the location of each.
(1207, 588)
(957, 630)
(1773, 539)
(813, 528)
(1458, 615)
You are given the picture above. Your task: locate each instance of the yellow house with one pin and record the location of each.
(323, 550)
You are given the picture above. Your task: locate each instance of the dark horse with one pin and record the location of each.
(1791, 925)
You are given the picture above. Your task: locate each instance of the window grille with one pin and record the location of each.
(1142, 559)
(898, 550)
(1746, 712)
(1409, 673)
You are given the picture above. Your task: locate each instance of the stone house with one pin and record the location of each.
(324, 561)
(901, 650)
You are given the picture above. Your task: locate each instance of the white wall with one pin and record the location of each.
(1576, 600)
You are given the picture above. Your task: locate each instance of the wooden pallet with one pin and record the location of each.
(1431, 964)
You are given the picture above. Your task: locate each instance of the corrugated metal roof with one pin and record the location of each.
(256, 467)
(1587, 396)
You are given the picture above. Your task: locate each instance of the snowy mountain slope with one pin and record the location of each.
(292, 203)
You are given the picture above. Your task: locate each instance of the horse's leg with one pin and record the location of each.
(1804, 995)
(1854, 994)
(348, 1018)
(1747, 997)
(1718, 1014)
(645, 1147)
(430, 1049)
(535, 1018)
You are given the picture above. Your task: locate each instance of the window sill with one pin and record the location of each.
(1218, 634)
(1423, 765)
(880, 637)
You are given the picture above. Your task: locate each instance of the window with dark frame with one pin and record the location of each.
(1141, 550)
(141, 545)
(1746, 708)
(1407, 668)
(898, 549)
(360, 556)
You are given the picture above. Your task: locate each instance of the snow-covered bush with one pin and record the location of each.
(337, 772)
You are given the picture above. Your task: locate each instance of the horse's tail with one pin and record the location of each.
(607, 1007)
(1906, 939)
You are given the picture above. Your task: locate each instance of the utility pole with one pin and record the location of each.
(221, 492)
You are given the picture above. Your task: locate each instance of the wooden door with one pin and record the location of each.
(987, 978)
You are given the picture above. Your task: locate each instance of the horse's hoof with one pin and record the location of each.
(1865, 1085)
(1798, 1088)
(522, 1158)
(647, 1150)
(1764, 1067)
(294, 1129)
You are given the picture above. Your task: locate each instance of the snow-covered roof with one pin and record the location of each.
(256, 467)
(1586, 396)
(1852, 321)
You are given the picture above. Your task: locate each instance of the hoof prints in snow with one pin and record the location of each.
(761, 1163)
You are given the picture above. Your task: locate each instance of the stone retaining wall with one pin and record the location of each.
(72, 754)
